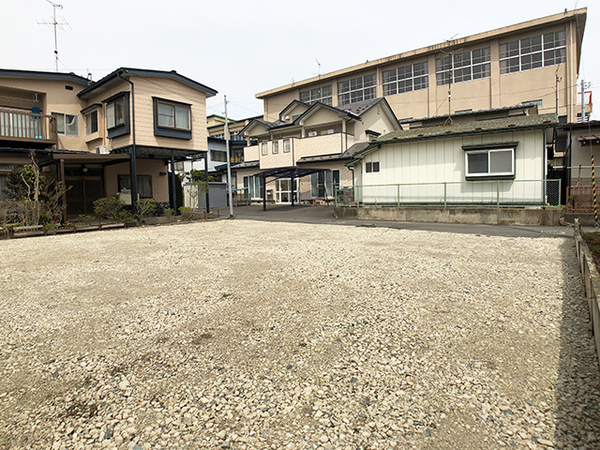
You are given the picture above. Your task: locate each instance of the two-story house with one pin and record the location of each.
(121, 135)
(308, 140)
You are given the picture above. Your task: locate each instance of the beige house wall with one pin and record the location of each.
(54, 97)
(272, 160)
(160, 183)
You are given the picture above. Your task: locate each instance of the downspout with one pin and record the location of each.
(133, 162)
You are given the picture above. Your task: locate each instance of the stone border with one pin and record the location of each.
(591, 281)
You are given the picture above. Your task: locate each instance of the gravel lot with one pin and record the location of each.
(241, 334)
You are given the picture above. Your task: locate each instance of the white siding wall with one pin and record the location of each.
(426, 165)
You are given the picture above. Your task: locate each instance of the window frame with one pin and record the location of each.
(124, 179)
(91, 123)
(62, 118)
(264, 149)
(393, 84)
(465, 66)
(253, 184)
(177, 131)
(121, 127)
(275, 147)
(356, 89)
(214, 153)
(287, 145)
(514, 55)
(372, 167)
(323, 94)
(489, 150)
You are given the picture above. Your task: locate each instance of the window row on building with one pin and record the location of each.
(171, 119)
(264, 147)
(520, 55)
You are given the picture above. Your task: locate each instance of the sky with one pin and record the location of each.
(242, 47)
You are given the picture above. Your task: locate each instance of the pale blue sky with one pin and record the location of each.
(245, 47)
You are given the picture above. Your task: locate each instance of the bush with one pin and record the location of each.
(110, 208)
(146, 207)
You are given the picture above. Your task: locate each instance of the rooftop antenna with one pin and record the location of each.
(56, 25)
(318, 67)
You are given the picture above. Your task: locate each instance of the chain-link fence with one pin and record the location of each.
(471, 193)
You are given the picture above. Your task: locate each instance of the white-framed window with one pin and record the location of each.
(406, 79)
(324, 183)
(372, 167)
(496, 162)
(287, 145)
(91, 122)
(533, 52)
(254, 186)
(115, 113)
(321, 94)
(66, 124)
(464, 66)
(275, 147)
(173, 115)
(144, 185)
(356, 89)
(263, 149)
(218, 156)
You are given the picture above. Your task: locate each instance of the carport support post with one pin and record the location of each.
(206, 179)
(173, 193)
(292, 188)
(264, 185)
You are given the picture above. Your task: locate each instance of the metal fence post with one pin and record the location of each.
(398, 196)
(445, 193)
(497, 194)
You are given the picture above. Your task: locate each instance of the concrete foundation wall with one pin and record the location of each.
(490, 216)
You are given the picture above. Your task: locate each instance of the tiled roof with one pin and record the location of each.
(474, 127)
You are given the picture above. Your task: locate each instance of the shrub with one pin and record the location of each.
(110, 208)
(145, 207)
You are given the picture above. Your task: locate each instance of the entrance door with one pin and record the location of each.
(283, 190)
(82, 195)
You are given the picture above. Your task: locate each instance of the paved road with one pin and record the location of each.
(324, 214)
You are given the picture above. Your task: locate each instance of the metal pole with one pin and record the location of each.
(264, 184)
(594, 190)
(133, 161)
(231, 216)
(207, 196)
(173, 186)
(582, 101)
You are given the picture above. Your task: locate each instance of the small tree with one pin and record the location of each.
(146, 207)
(197, 189)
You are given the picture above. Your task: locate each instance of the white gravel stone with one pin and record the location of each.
(241, 334)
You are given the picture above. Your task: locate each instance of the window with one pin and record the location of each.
(172, 119)
(144, 185)
(324, 183)
(406, 79)
(263, 149)
(530, 53)
(66, 124)
(254, 186)
(321, 94)
(372, 167)
(275, 147)
(172, 115)
(465, 66)
(286, 145)
(356, 90)
(218, 156)
(115, 113)
(493, 162)
(91, 123)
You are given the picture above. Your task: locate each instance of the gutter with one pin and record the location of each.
(133, 162)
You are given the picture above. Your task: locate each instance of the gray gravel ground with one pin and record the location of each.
(241, 334)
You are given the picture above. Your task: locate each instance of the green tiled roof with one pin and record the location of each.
(475, 127)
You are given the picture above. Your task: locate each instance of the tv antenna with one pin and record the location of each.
(318, 67)
(55, 25)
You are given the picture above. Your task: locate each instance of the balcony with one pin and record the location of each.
(27, 128)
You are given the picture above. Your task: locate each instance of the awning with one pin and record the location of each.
(589, 140)
(286, 172)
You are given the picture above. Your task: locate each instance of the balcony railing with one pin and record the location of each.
(27, 127)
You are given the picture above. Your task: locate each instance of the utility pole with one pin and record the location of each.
(231, 216)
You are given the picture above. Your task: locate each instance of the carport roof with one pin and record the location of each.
(287, 172)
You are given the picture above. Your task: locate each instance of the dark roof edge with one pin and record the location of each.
(148, 73)
(62, 76)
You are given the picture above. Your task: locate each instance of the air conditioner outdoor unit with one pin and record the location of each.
(102, 150)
